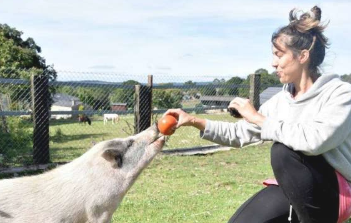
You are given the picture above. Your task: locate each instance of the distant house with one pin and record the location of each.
(216, 100)
(65, 102)
(268, 93)
(119, 107)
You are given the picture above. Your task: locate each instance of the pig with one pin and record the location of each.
(88, 189)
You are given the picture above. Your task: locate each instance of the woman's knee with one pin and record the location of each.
(282, 156)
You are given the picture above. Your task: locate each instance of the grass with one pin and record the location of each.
(195, 188)
(174, 188)
(69, 139)
(184, 189)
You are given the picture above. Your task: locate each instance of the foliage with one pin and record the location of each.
(20, 59)
(169, 98)
(58, 136)
(126, 94)
(346, 77)
(199, 108)
(16, 52)
(97, 98)
(267, 80)
(232, 86)
(16, 145)
(81, 108)
(190, 83)
(209, 90)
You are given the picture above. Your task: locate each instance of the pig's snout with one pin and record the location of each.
(155, 131)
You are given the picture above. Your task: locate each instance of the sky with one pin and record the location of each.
(185, 39)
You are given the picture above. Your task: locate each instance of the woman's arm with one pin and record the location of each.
(185, 119)
(233, 134)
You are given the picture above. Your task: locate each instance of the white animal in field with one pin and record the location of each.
(113, 117)
(88, 189)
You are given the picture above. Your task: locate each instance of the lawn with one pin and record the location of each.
(207, 188)
(69, 139)
(195, 188)
(203, 188)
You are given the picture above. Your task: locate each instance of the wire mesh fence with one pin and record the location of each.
(45, 118)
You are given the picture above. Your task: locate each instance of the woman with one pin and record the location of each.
(309, 122)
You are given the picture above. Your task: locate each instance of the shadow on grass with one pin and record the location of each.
(66, 154)
(68, 138)
(70, 122)
(59, 152)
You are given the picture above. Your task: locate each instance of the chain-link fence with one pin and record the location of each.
(44, 119)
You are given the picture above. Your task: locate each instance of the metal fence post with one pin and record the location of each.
(40, 105)
(255, 82)
(143, 106)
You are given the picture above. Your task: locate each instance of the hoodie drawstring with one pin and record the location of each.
(290, 214)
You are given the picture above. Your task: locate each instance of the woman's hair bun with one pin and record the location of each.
(307, 21)
(317, 13)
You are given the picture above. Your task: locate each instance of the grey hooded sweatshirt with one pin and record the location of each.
(318, 122)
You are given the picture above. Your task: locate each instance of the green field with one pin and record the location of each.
(185, 189)
(69, 139)
(203, 189)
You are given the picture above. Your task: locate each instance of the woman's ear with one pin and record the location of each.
(304, 56)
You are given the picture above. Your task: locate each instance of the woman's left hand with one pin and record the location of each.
(247, 110)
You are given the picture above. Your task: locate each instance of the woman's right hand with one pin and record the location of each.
(184, 119)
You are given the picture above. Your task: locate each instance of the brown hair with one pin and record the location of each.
(305, 32)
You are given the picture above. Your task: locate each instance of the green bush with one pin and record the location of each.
(16, 145)
(199, 109)
(58, 135)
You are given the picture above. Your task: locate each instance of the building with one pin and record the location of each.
(65, 102)
(119, 107)
(268, 93)
(216, 100)
(220, 101)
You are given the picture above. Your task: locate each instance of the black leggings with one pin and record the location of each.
(308, 183)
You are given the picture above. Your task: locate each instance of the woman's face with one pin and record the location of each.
(287, 66)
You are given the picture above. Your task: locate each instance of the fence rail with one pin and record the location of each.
(42, 120)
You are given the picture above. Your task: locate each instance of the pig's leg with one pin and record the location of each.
(104, 217)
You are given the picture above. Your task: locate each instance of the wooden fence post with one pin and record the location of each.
(255, 83)
(4, 125)
(40, 106)
(143, 106)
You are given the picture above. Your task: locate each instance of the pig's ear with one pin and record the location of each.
(113, 156)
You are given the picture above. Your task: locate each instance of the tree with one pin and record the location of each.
(190, 89)
(126, 94)
(19, 59)
(209, 90)
(169, 98)
(346, 77)
(20, 54)
(267, 79)
(97, 98)
(231, 88)
(190, 83)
